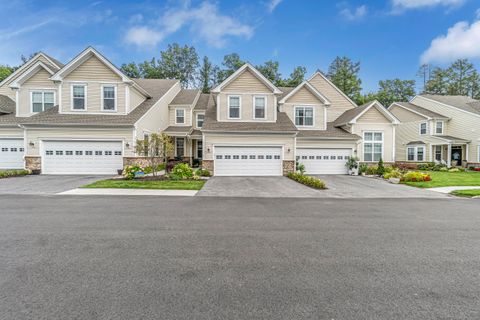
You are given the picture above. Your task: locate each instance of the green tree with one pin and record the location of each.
(343, 72)
(179, 63)
(365, 98)
(150, 69)
(206, 75)
(270, 70)
(424, 74)
(231, 63)
(461, 75)
(5, 71)
(438, 82)
(296, 77)
(131, 69)
(395, 90)
(155, 147)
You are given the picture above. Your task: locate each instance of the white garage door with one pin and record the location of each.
(324, 161)
(11, 154)
(82, 157)
(248, 161)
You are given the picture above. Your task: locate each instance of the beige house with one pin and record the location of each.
(444, 129)
(84, 117)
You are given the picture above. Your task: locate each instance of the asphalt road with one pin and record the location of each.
(65, 257)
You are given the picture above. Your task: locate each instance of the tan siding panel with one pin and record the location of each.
(319, 114)
(39, 81)
(388, 142)
(303, 96)
(405, 115)
(93, 69)
(246, 107)
(136, 98)
(373, 116)
(246, 82)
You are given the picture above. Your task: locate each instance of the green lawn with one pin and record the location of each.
(466, 193)
(138, 184)
(449, 179)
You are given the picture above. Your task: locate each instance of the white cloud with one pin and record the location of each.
(354, 15)
(461, 41)
(401, 5)
(272, 5)
(204, 21)
(5, 35)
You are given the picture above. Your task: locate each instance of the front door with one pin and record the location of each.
(457, 155)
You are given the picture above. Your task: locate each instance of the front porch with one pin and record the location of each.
(453, 152)
(187, 147)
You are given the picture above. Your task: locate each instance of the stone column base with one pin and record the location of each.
(138, 161)
(208, 165)
(33, 163)
(288, 166)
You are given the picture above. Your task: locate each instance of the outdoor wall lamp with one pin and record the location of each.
(288, 150)
(127, 145)
(32, 144)
(208, 150)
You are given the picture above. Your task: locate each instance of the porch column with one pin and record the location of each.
(466, 153)
(449, 155)
(431, 153)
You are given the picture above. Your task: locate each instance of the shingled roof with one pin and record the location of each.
(332, 132)
(7, 112)
(156, 88)
(421, 110)
(204, 101)
(185, 97)
(462, 102)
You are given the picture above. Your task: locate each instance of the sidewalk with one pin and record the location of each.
(450, 189)
(129, 192)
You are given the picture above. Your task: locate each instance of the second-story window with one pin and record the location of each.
(423, 128)
(234, 107)
(42, 101)
(200, 118)
(179, 116)
(259, 105)
(304, 116)
(439, 127)
(109, 98)
(78, 96)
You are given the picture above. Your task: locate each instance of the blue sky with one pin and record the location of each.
(390, 37)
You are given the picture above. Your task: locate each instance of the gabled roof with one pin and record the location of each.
(54, 64)
(156, 88)
(351, 116)
(204, 101)
(258, 74)
(30, 72)
(7, 112)
(319, 73)
(461, 102)
(310, 88)
(451, 139)
(419, 110)
(331, 133)
(185, 97)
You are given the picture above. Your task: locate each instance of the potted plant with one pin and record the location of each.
(352, 166)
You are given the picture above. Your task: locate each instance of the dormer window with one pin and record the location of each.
(304, 116)
(180, 116)
(234, 107)
(78, 97)
(259, 104)
(439, 127)
(109, 101)
(423, 128)
(42, 100)
(200, 118)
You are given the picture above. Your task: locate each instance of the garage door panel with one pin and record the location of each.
(324, 161)
(248, 161)
(11, 154)
(82, 157)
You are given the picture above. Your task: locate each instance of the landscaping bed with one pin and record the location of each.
(13, 173)
(307, 180)
(449, 179)
(466, 193)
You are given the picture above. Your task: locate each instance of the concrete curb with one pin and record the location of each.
(129, 192)
(450, 189)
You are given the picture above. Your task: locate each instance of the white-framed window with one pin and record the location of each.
(439, 127)
(423, 128)
(79, 97)
(179, 147)
(438, 153)
(180, 116)
(372, 146)
(109, 98)
(234, 105)
(416, 153)
(259, 107)
(42, 100)
(200, 118)
(304, 116)
(199, 149)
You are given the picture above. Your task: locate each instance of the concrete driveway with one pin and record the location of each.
(339, 186)
(45, 184)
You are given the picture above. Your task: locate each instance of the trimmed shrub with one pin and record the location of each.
(363, 168)
(380, 168)
(416, 176)
(172, 163)
(182, 170)
(454, 170)
(300, 168)
(307, 180)
(443, 169)
(394, 173)
(13, 173)
(130, 171)
(203, 173)
(372, 170)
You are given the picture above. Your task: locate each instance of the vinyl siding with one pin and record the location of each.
(461, 125)
(339, 104)
(288, 142)
(388, 137)
(38, 81)
(246, 107)
(246, 82)
(305, 97)
(136, 98)
(405, 115)
(93, 68)
(35, 135)
(195, 118)
(188, 116)
(410, 131)
(11, 133)
(157, 118)
(373, 116)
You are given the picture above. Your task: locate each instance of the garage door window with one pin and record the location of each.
(372, 146)
(304, 116)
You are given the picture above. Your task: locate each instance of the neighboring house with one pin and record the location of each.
(255, 128)
(82, 117)
(438, 128)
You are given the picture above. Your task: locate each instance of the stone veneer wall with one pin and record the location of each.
(208, 164)
(138, 161)
(33, 163)
(288, 166)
